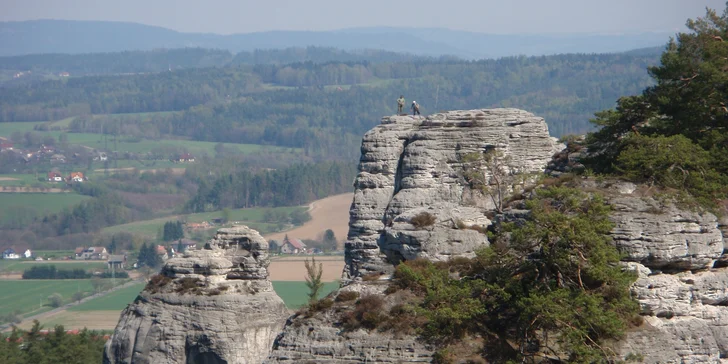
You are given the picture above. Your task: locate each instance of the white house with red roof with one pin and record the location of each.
(293, 246)
(54, 177)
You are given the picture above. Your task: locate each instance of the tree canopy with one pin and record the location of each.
(675, 133)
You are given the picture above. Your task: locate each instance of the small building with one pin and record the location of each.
(293, 246)
(78, 253)
(162, 251)
(187, 244)
(6, 146)
(76, 177)
(58, 159)
(94, 253)
(64, 74)
(116, 261)
(17, 252)
(44, 149)
(54, 177)
(186, 157)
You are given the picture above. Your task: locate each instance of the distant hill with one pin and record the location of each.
(66, 36)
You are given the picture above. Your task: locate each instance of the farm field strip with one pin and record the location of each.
(27, 295)
(42, 202)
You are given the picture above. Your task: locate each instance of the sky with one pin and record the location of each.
(485, 16)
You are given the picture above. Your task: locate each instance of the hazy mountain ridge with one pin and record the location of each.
(67, 36)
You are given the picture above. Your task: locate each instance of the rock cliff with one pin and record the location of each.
(411, 165)
(215, 305)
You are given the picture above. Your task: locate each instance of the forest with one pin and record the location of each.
(316, 102)
(303, 104)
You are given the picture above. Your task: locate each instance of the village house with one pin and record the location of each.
(186, 244)
(58, 158)
(162, 251)
(116, 261)
(64, 74)
(54, 177)
(17, 252)
(46, 149)
(6, 146)
(76, 177)
(293, 246)
(186, 157)
(91, 253)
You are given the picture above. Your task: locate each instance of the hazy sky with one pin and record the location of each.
(489, 16)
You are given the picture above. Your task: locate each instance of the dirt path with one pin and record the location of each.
(328, 213)
(8, 179)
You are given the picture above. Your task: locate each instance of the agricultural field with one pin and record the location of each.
(252, 217)
(19, 179)
(114, 301)
(31, 296)
(8, 128)
(294, 294)
(40, 202)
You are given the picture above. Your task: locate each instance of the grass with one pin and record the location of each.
(41, 202)
(294, 294)
(116, 300)
(252, 217)
(7, 266)
(21, 180)
(8, 128)
(31, 296)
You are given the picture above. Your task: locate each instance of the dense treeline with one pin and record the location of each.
(57, 346)
(291, 186)
(50, 272)
(58, 99)
(160, 60)
(221, 104)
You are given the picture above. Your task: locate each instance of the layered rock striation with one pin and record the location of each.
(215, 305)
(413, 165)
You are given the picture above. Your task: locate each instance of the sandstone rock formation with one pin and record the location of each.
(410, 165)
(682, 286)
(322, 339)
(215, 305)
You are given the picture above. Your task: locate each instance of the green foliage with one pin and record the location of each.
(173, 231)
(291, 186)
(49, 347)
(148, 256)
(675, 134)
(50, 272)
(556, 284)
(55, 300)
(313, 278)
(674, 162)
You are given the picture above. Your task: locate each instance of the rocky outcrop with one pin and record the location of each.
(683, 296)
(322, 338)
(215, 305)
(413, 165)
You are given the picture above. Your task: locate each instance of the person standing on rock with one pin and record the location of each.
(400, 104)
(415, 108)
